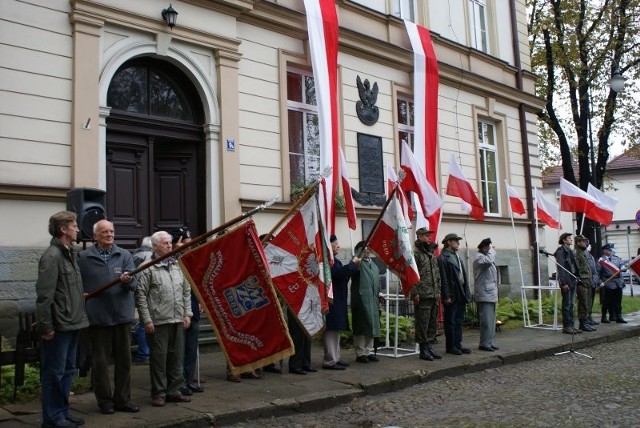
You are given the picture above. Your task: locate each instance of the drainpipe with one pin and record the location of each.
(525, 141)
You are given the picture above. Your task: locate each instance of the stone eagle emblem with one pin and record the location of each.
(366, 108)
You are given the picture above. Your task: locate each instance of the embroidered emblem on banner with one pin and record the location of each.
(246, 297)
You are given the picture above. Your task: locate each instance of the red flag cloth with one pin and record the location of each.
(426, 81)
(230, 275)
(458, 185)
(608, 265)
(415, 181)
(346, 190)
(602, 210)
(392, 181)
(322, 25)
(295, 269)
(573, 199)
(634, 265)
(515, 202)
(546, 211)
(390, 241)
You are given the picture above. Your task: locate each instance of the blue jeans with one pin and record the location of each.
(142, 353)
(567, 306)
(58, 358)
(453, 319)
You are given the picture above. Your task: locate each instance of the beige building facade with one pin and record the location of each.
(228, 67)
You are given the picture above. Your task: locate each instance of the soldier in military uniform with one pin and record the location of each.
(585, 281)
(426, 293)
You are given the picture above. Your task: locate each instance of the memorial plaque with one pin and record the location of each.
(370, 168)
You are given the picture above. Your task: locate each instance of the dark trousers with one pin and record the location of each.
(613, 302)
(190, 351)
(165, 361)
(107, 342)
(301, 343)
(58, 357)
(453, 319)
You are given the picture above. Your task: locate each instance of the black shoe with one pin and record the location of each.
(195, 388)
(426, 356)
(310, 369)
(485, 348)
(454, 351)
(342, 363)
(334, 367)
(185, 391)
(620, 320)
(604, 320)
(465, 350)
(372, 358)
(592, 321)
(75, 420)
(272, 368)
(129, 408)
(362, 359)
(495, 348)
(107, 409)
(65, 423)
(296, 370)
(586, 327)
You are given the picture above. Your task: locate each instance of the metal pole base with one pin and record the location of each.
(571, 351)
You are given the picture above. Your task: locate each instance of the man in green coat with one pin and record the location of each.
(365, 316)
(585, 281)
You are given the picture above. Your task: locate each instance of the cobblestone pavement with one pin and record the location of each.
(568, 390)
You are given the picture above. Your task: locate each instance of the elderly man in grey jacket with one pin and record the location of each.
(485, 293)
(163, 298)
(110, 316)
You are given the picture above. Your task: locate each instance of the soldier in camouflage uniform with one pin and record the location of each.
(426, 293)
(585, 281)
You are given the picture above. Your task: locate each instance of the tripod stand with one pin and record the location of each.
(559, 266)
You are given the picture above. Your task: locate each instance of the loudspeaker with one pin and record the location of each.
(89, 205)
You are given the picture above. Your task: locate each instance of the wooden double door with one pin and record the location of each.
(154, 182)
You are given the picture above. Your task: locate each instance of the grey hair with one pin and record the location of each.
(156, 237)
(146, 241)
(95, 225)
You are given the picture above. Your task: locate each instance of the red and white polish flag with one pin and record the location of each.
(458, 185)
(546, 211)
(634, 265)
(517, 207)
(346, 190)
(609, 266)
(392, 180)
(602, 211)
(573, 199)
(322, 25)
(390, 241)
(426, 81)
(295, 267)
(416, 181)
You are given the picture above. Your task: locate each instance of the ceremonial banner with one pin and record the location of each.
(390, 241)
(613, 269)
(231, 279)
(392, 181)
(634, 265)
(458, 185)
(416, 181)
(295, 268)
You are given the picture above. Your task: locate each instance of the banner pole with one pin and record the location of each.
(193, 242)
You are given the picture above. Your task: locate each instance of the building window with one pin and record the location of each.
(478, 24)
(488, 167)
(404, 9)
(304, 141)
(405, 121)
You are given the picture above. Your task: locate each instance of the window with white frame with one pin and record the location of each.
(478, 24)
(404, 9)
(488, 167)
(304, 140)
(405, 120)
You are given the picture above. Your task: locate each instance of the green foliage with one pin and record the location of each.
(406, 330)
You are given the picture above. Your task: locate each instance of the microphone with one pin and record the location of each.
(541, 251)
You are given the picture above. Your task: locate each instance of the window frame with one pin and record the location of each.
(401, 8)
(483, 146)
(478, 25)
(403, 127)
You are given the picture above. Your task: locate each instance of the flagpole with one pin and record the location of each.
(582, 223)
(195, 241)
(535, 192)
(515, 239)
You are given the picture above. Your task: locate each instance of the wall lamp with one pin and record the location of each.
(616, 83)
(170, 16)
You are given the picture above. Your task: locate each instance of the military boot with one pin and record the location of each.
(424, 353)
(433, 353)
(586, 327)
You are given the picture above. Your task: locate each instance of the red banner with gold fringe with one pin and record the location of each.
(230, 276)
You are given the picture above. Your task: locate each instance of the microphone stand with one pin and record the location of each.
(558, 265)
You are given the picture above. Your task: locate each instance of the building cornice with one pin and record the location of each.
(33, 193)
